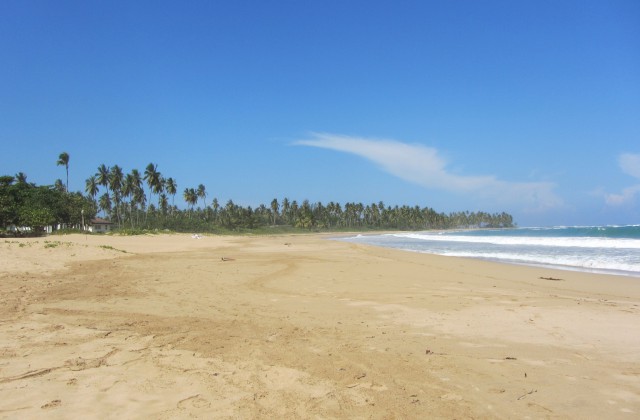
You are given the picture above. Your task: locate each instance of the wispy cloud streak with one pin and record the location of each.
(424, 166)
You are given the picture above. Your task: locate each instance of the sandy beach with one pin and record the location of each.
(299, 326)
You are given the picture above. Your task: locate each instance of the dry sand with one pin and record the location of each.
(304, 327)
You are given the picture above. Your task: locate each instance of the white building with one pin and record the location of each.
(99, 225)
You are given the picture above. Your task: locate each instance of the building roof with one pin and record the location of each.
(100, 221)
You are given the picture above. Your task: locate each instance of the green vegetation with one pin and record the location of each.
(52, 244)
(25, 205)
(20, 244)
(123, 200)
(55, 244)
(110, 248)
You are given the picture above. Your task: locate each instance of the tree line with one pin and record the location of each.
(146, 200)
(26, 205)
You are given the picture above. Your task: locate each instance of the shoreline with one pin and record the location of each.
(177, 327)
(480, 257)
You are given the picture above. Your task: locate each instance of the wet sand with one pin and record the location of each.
(169, 326)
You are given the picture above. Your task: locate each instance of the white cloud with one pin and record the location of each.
(424, 166)
(630, 164)
(626, 196)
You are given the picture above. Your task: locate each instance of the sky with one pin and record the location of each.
(529, 107)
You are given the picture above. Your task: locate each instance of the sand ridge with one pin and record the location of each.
(168, 326)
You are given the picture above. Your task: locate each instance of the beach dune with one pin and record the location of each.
(299, 326)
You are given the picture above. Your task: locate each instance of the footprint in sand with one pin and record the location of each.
(52, 404)
(195, 401)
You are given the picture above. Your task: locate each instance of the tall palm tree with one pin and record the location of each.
(128, 191)
(63, 160)
(153, 178)
(136, 179)
(286, 209)
(91, 186)
(116, 178)
(274, 210)
(202, 193)
(137, 191)
(102, 176)
(163, 203)
(104, 202)
(140, 199)
(158, 186)
(191, 198)
(294, 212)
(171, 187)
(215, 206)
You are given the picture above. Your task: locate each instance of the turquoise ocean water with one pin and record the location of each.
(600, 249)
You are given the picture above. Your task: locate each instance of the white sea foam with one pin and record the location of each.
(588, 263)
(578, 242)
(529, 246)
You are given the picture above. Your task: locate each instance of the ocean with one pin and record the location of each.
(598, 249)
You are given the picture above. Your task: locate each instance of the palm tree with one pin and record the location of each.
(274, 209)
(215, 206)
(116, 178)
(21, 178)
(136, 192)
(128, 191)
(63, 160)
(163, 203)
(91, 186)
(104, 202)
(230, 214)
(171, 187)
(158, 186)
(153, 178)
(59, 185)
(191, 197)
(139, 198)
(294, 212)
(102, 175)
(202, 193)
(305, 219)
(286, 209)
(115, 185)
(136, 179)
(154, 181)
(320, 215)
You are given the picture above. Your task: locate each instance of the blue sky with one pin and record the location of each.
(529, 107)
